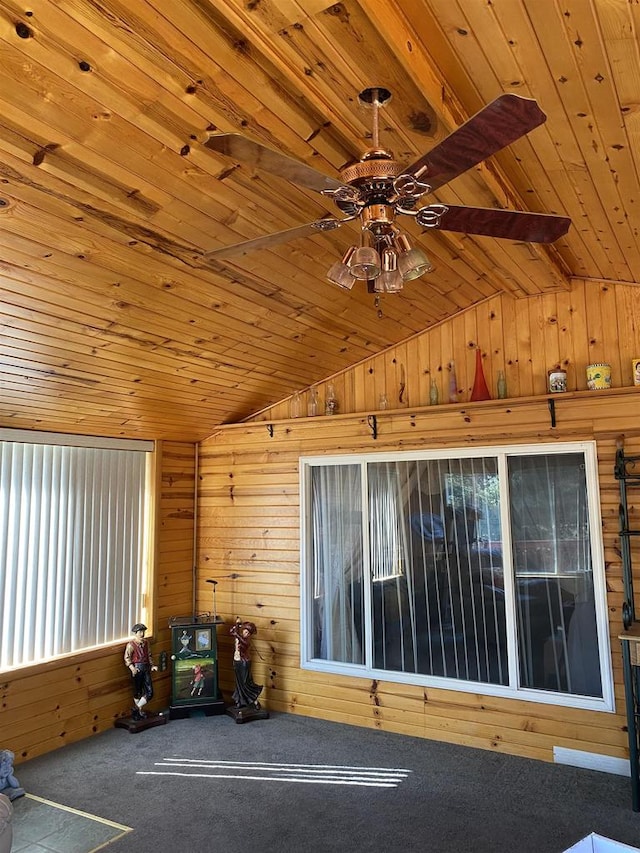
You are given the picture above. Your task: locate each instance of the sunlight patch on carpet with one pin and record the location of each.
(42, 824)
(318, 774)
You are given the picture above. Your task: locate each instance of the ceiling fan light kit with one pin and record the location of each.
(378, 189)
(390, 279)
(340, 272)
(412, 262)
(365, 261)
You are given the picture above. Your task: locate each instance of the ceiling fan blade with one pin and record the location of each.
(510, 224)
(269, 240)
(497, 125)
(260, 157)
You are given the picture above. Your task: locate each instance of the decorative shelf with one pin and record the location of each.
(463, 406)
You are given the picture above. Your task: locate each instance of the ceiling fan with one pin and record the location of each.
(378, 189)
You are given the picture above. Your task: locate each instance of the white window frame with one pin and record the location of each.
(512, 690)
(123, 530)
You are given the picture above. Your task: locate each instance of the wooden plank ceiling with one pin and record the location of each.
(112, 322)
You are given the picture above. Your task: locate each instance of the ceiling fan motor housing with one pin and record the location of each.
(372, 169)
(373, 178)
(378, 218)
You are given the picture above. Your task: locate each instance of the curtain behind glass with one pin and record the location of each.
(336, 558)
(555, 599)
(71, 548)
(436, 556)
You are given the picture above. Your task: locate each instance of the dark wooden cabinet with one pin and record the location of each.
(194, 667)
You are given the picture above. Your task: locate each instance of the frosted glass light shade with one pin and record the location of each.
(413, 263)
(340, 274)
(365, 263)
(388, 282)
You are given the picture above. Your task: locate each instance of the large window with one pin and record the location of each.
(73, 543)
(472, 570)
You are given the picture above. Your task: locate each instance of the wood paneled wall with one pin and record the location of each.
(522, 337)
(249, 509)
(54, 704)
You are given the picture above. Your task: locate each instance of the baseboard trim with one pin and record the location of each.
(591, 761)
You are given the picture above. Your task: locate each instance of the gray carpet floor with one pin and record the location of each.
(207, 784)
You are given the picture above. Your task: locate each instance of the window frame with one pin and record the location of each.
(146, 531)
(605, 703)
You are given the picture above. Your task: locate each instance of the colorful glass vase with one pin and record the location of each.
(480, 390)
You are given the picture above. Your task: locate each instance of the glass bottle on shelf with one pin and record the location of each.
(312, 403)
(501, 385)
(453, 383)
(331, 401)
(434, 396)
(295, 405)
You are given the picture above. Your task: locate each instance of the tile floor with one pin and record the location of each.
(40, 826)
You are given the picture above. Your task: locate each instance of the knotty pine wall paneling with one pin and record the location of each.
(523, 337)
(249, 501)
(54, 704)
(249, 541)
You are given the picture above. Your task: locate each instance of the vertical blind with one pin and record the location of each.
(72, 548)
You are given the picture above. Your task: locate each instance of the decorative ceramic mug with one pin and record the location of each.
(635, 370)
(557, 378)
(598, 376)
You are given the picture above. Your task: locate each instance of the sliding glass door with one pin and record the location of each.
(439, 609)
(555, 594)
(481, 568)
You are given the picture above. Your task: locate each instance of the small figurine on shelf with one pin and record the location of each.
(383, 402)
(246, 693)
(138, 660)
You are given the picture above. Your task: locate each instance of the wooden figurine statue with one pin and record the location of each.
(137, 658)
(246, 693)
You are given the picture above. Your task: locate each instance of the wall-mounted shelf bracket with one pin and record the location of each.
(372, 420)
